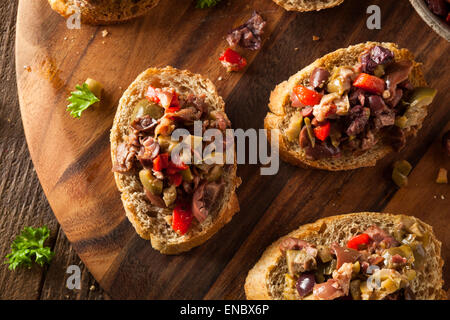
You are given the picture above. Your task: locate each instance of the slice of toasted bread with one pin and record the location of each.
(265, 281)
(281, 111)
(308, 5)
(102, 12)
(149, 221)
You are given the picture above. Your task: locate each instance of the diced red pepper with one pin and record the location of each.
(359, 241)
(307, 96)
(369, 83)
(172, 109)
(161, 162)
(182, 217)
(323, 131)
(175, 179)
(232, 60)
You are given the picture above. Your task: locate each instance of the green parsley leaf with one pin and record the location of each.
(81, 99)
(206, 3)
(29, 247)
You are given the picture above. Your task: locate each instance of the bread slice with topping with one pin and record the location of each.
(102, 12)
(308, 5)
(270, 278)
(282, 112)
(153, 222)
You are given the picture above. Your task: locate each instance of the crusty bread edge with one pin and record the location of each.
(256, 282)
(223, 216)
(280, 95)
(62, 7)
(316, 7)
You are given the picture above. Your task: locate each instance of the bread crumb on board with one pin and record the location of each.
(315, 38)
(105, 33)
(442, 176)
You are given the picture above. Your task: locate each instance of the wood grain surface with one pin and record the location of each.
(23, 202)
(72, 156)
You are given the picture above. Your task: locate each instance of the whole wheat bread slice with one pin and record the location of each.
(102, 12)
(307, 5)
(149, 221)
(281, 111)
(265, 281)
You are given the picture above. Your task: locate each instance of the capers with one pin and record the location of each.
(95, 87)
(145, 107)
(150, 183)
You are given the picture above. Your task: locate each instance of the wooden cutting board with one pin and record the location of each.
(72, 156)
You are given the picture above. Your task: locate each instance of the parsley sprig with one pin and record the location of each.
(206, 3)
(29, 247)
(80, 100)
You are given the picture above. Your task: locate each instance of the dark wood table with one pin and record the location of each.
(22, 201)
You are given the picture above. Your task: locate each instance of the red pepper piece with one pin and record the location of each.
(161, 162)
(232, 60)
(175, 179)
(323, 131)
(182, 217)
(307, 96)
(359, 241)
(369, 83)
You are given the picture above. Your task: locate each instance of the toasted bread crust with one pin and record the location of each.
(307, 5)
(146, 219)
(279, 99)
(259, 281)
(100, 13)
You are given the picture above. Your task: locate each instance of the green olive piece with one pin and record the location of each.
(330, 267)
(145, 107)
(401, 122)
(187, 175)
(150, 183)
(404, 250)
(355, 290)
(295, 126)
(95, 87)
(400, 179)
(379, 71)
(310, 131)
(215, 173)
(403, 166)
(422, 96)
(166, 143)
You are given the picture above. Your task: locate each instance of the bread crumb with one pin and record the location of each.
(435, 197)
(295, 49)
(315, 38)
(105, 33)
(65, 38)
(92, 288)
(442, 197)
(27, 68)
(442, 176)
(220, 78)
